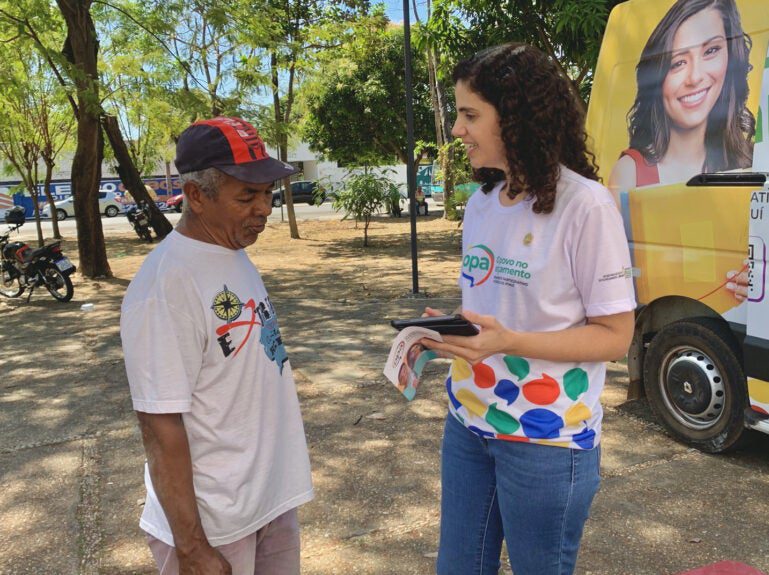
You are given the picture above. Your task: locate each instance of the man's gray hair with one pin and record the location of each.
(207, 180)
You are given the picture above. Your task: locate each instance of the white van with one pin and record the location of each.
(678, 119)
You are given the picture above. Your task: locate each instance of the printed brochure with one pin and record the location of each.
(408, 357)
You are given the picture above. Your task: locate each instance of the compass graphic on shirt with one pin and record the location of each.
(227, 306)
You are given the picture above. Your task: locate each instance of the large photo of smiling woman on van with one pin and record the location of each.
(690, 113)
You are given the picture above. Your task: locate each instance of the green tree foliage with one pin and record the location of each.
(569, 30)
(454, 170)
(74, 63)
(139, 78)
(36, 120)
(301, 32)
(356, 109)
(36, 116)
(364, 195)
(20, 142)
(212, 47)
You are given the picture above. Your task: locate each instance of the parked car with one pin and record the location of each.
(175, 203)
(302, 192)
(108, 205)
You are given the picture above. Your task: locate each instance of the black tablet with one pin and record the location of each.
(443, 324)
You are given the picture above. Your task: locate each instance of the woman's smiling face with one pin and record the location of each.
(697, 69)
(477, 124)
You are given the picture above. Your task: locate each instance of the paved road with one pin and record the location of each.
(120, 223)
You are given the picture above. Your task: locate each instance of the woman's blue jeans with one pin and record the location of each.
(536, 497)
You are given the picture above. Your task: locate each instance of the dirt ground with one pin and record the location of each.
(71, 459)
(63, 386)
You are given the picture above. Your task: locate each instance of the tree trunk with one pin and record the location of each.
(443, 109)
(130, 176)
(282, 145)
(80, 49)
(449, 209)
(283, 153)
(23, 158)
(169, 185)
(49, 197)
(36, 207)
(439, 139)
(29, 177)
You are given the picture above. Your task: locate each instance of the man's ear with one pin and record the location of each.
(194, 197)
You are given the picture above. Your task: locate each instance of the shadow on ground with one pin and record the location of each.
(71, 460)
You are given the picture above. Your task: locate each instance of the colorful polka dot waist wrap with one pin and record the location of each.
(517, 399)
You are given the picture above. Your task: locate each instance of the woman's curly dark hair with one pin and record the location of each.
(542, 123)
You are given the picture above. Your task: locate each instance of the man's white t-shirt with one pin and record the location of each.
(539, 273)
(200, 338)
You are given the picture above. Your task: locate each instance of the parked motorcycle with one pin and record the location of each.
(25, 268)
(139, 216)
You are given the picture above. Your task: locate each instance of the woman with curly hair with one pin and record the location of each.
(690, 113)
(546, 277)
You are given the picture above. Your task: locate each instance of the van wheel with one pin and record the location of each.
(111, 211)
(695, 384)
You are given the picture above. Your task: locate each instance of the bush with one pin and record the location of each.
(364, 195)
(460, 197)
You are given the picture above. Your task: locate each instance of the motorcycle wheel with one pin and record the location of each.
(147, 235)
(57, 284)
(10, 287)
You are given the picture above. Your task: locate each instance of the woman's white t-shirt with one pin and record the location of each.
(539, 273)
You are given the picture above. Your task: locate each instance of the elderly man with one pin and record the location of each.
(227, 461)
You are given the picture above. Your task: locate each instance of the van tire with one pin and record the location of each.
(695, 384)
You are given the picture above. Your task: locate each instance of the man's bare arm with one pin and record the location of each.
(170, 467)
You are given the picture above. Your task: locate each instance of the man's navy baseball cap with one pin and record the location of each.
(231, 145)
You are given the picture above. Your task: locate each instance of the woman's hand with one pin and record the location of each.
(739, 282)
(493, 338)
(430, 312)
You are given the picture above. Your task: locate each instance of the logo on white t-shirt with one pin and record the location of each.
(228, 307)
(233, 335)
(478, 265)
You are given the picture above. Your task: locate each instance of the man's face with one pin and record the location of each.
(236, 217)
